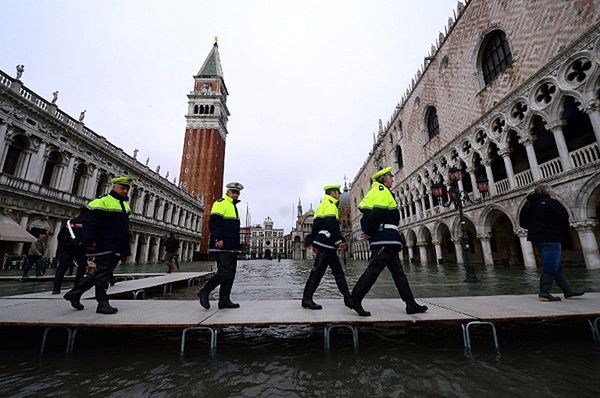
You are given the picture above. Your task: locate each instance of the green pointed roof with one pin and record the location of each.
(212, 65)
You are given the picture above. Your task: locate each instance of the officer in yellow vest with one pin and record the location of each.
(379, 224)
(224, 224)
(326, 240)
(106, 239)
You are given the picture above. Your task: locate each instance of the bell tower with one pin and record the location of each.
(203, 156)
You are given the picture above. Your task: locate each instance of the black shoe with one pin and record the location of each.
(349, 302)
(228, 304)
(74, 298)
(203, 296)
(414, 308)
(310, 304)
(105, 308)
(360, 310)
(545, 296)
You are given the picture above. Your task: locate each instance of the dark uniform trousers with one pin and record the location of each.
(100, 277)
(65, 261)
(225, 275)
(380, 259)
(323, 259)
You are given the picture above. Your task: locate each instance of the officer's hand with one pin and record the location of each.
(343, 246)
(219, 244)
(364, 236)
(315, 250)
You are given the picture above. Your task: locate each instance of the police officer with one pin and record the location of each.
(326, 239)
(70, 249)
(224, 224)
(379, 224)
(106, 239)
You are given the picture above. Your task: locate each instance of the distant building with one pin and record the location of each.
(295, 244)
(263, 241)
(51, 164)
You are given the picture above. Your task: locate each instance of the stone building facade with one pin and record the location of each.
(510, 92)
(295, 242)
(203, 155)
(263, 241)
(52, 164)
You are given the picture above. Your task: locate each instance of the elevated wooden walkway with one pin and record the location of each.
(189, 316)
(136, 287)
(46, 278)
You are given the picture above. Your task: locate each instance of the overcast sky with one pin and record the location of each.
(308, 80)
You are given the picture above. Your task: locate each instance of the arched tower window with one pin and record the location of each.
(54, 159)
(431, 120)
(13, 154)
(212, 109)
(495, 55)
(201, 109)
(195, 109)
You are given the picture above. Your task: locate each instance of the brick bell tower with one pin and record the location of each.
(203, 157)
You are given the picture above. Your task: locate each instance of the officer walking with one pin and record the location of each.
(379, 224)
(224, 227)
(326, 239)
(70, 250)
(106, 239)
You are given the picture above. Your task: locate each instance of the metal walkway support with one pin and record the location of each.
(141, 292)
(70, 338)
(595, 331)
(467, 335)
(327, 334)
(213, 337)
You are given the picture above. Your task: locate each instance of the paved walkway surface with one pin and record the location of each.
(130, 286)
(159, 314)
(46, 278)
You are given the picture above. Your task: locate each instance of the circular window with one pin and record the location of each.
(188, 156)
(186, 170)
(268, 243)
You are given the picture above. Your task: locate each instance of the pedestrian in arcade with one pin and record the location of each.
(326, 240)
(106, 239)
(171, 248)
(547, 223)
(35, 255)
(379, 224)
(70, 250)
(224, 224)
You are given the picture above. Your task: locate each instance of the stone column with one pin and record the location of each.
(559, 137)
(92, 184)
(475, 193)
(488, 259)
(183, 254)
(527, 250)
(589, 245)
(418, 208)
(532, 158)
(592, 108)
(167, 218)
(133, 248)
(490, 176)
(67, 178)
(423, 207)
(53, 240)
(423, 252)
(3, 143)
(508, 166)
(34, 173)
(190, 251)
(155, 249)
(437, 244)
(411, 253)
(429, 198)
(180, 250)
(145, 250)
(150, 211)
(23, 223)
(161, 210)
(459, 251)
(139, 204)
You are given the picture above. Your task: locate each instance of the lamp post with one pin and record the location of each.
(458, 198)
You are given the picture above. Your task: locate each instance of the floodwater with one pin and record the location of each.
(550, 359)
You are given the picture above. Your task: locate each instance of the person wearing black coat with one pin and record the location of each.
(171, 248)
(70, 250)
(547, 222)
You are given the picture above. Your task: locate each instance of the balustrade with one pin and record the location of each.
(524, 178)
(551, 168)
(586, 155)
(502, 186)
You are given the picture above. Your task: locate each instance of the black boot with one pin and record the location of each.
(545, 288)
(414, 308)
(310, 304)
(363, 285)
(105, 308)
(224, 295)
(227, 303)
(566, 288)
(205, 291)
(316, 274)
(203, 296)
(74, 298)
(359, 308)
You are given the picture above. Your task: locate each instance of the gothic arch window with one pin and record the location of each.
(431, 121)
(201, 109)
(212, 109)
(13, 154)
(156, 208)
(495, 55)
(54, 159)
(399, 156)
(195, 109)
(102, 182)
(80, 172)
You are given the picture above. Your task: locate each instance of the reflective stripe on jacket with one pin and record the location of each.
(380, 214)
(107, 224)
(224, 225)
(326, 226)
